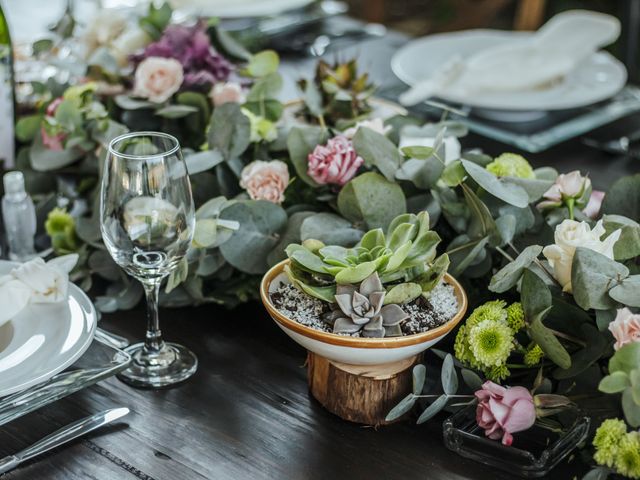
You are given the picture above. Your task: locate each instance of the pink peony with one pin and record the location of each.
(158, 78)
(592, 210)
(265, 180)
(502, 411)
(625, 328)
(226, 92)
(334, 163)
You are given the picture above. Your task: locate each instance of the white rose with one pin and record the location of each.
(129, 42)
(105, 27)
(226, 92)
(375, 124)
(570, 235)
(158, 78)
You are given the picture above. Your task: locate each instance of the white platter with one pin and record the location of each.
(598, 78)
(44, 339)
(238, 8)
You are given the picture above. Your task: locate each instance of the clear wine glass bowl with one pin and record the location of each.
(147, 221)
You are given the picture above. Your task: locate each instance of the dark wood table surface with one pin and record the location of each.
(247, 412)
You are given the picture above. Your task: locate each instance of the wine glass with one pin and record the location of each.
(147, 221)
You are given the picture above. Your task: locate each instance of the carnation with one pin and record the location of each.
(627, 461)
(607, 439)
(511, 165)
(334, 163)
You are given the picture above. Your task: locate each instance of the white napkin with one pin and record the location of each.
(426, 137)
(35, 282)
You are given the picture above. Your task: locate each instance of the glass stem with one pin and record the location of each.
(153, 341)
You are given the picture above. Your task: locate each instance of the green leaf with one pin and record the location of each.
(448, 376)
(630, 408)
(127, 103)
(263, 63)
(330, 229)
(628, 245)
(228, 45)
(614, 383)
(301, 141)
(507, 192)
(592, 276)
(371, 199)
(596, 347)
(68, 115)
(45, 160)
(453, 174)
(463, 252)
(481, 223)
(176, 111)
(534, 294)
(202, 161)
(229, 130)
(627, 292)
(28, 127)
(403, 293)
(306, 259)
(506, 226)
(471, 379)
(403, 407)
(434, 274)
(419, 152)
(623, 198)
(260, 224)
(419, 374)
(548, 342)
(534, 187)
(433, 409)
(356, 274)
(377, 151)
(604, 318)
(290, 235)
(373, 238)
(205, 233)
(313, 99)
(265, 88)
(626, 358)
(510, 274)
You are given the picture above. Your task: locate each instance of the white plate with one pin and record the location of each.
(238, 8)
(599, 77)
(44, 339)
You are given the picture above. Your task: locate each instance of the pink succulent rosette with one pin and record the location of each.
(503, 411)
(334, 163)
(265, 180)
(625, 328)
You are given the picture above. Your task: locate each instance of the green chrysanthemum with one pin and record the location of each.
(58, 221)
(627, 460)
(515, 317)
(533, 355)
(511, 165)
(493, 311)
(606, 441)
(497, 373)
(461, 346)
(491, 342)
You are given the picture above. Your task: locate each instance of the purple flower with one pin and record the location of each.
(191, 46)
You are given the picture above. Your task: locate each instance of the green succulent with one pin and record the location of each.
(403, 256)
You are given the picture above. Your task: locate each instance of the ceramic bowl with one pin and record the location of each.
(353, 350)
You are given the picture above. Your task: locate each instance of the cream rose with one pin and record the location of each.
(104, 28)
(265, 180)
(375, 124)
(158, 78)
(226, 92)
(129, 42)
(570, 235)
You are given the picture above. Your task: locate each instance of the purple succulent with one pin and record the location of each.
(191, 46)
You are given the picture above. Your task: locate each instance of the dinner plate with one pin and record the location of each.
(238, 8)
(597, 78)
(44, 339)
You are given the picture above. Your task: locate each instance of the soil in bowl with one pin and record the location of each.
(424, 313)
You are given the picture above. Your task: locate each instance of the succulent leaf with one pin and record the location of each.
(356, 274)
(403, 293)
(372, 239)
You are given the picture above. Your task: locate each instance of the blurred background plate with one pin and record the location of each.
(598, 78)
(238, 8)
(44, 339)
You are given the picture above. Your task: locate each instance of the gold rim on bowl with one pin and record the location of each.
(358, 342)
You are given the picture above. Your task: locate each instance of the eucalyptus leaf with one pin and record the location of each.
(377, 151)
(507, 192)
(203, 161)
(301, 141)
(616, 382)
(100, 262)
(623, 198)
(433, 409)
(292, 234)
(463, 251)
(448, 376)
(263, 63)
(548, 342)
(481, 223)
(510, 274)
(471, 379)
(419, 374)
(604, 318)
(596, 347)
(630, 408)
(627, 292)
(330, 229)
(592, 276)
(371, 200)
(176, 111)
(628, 245)
(46, 160)
(534, 295)
(403, 407)
(229, 130)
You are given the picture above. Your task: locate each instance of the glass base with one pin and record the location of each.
(168, 366)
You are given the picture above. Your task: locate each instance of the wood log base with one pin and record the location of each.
(359, 393)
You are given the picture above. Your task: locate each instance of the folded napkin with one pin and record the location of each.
(35, 282)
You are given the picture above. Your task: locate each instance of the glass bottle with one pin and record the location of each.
(19, 217)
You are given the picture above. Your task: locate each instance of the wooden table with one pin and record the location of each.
(247, 412)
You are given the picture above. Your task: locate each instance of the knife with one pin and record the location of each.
(62, 436)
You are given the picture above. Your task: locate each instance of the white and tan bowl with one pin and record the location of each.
(354, 350)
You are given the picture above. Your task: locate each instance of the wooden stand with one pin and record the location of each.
(359, 393)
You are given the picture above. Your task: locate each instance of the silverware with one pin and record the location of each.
(62, 436)
(111, 339)
(617, 146)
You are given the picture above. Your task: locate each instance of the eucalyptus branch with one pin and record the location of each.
(568, 337)
(448, 396)
(505, 254)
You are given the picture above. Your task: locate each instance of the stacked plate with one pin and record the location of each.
(44, 339)
(597, 78)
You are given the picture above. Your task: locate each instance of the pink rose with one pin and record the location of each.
(334, 163)
(158, 78)
(593, 206)
(570, 185)
(502, 411)
(265, 180)
(226, 92)
(625, 328)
